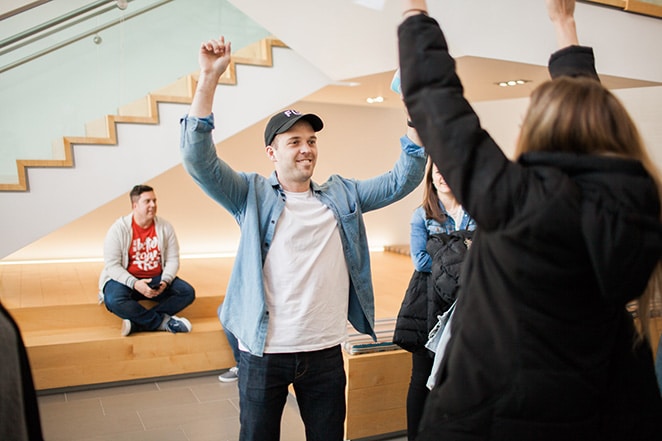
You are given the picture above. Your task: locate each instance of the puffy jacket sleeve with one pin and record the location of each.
(573, 61)
(480, 175)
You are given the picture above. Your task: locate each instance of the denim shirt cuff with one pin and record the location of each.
(195, 124)
(409, 147)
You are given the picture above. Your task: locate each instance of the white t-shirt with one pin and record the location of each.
(306, 279)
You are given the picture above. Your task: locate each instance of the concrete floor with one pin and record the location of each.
(184, 409)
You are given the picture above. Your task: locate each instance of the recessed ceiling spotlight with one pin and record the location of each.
(373, 100)
(511, 83)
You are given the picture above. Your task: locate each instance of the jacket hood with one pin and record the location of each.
(620, 212)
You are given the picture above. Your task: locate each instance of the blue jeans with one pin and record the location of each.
(123, 302)
(319, 384)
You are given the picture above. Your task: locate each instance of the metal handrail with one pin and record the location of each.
(81, 36)
(49, 24)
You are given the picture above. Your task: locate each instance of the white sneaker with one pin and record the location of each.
(126, 327)
(231, 375)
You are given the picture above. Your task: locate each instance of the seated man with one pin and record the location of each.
(141, 256)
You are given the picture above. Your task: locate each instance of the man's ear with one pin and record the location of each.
(269, 150)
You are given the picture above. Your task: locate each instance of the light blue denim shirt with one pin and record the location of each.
(257, 202)
(421, 228)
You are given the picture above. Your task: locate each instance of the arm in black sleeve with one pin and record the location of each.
(573, 61)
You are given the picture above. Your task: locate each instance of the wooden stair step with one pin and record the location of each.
(79, 345)
(53, 337)
(138, 356)
(55, 317)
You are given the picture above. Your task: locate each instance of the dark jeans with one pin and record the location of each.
(421, 367)
(658, 364)
(319, 384)
(123, 302)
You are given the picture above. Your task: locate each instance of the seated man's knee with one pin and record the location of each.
(183, 289)
(115, 293)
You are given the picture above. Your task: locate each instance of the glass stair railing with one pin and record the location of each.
(60, 70)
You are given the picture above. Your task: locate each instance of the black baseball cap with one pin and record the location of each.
(281, 122)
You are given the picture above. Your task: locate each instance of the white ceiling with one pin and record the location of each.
(492, 42)
(355, 42)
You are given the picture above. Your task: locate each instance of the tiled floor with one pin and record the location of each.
(190, 409)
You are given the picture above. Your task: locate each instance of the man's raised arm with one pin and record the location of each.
(214, 57)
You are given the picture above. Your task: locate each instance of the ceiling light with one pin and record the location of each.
(511, 83)
(373, 100)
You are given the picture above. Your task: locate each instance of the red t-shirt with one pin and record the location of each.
(144, 253)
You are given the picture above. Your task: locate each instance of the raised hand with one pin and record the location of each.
(410, 7)
(214, 56)
(562, 15)
(559, 9)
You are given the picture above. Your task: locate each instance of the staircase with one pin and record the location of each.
(144, 111)
(80, 345)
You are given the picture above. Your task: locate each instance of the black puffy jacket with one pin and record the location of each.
(431, 294)
(541, 346)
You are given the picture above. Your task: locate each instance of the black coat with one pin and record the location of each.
(541, 346)
(19, 411)
(430, 294)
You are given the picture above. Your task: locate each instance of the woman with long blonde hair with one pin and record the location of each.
(541, 344)
(579, 115)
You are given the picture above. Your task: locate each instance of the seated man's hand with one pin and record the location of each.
(162, 287)
(142, 286)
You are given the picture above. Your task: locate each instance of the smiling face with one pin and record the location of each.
(294, 154)
(439, 182)
(144, 209)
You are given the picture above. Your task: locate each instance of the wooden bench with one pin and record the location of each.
(376, 393)
(79, 345)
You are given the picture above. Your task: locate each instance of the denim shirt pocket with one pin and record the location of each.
(434, 227)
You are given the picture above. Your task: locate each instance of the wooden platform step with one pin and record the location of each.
(77, 345)
(398, 249)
